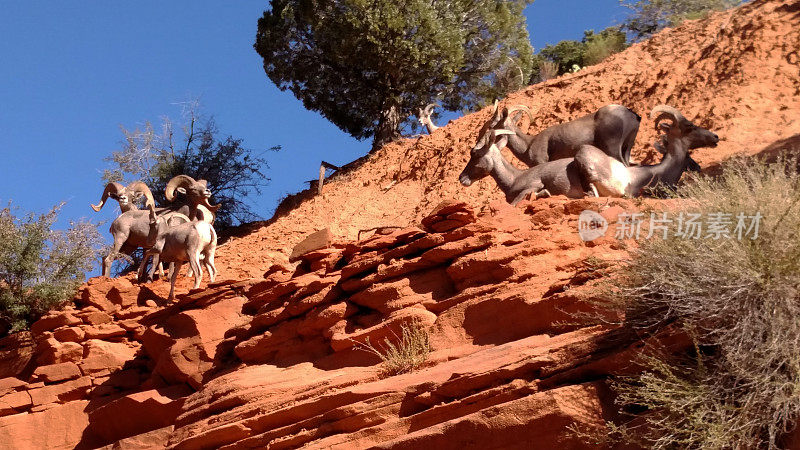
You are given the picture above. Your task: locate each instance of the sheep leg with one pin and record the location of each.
(593, 190)
(156, 263)
(194, 262)
(189, 273)
(212, 269)
(119, 243)
(692, 165)
(542, 193)
(172, 279)
(142, 266)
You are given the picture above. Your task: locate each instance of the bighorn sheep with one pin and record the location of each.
(181, 243)
(129, 229)
(610, 178)
(612, 128)
(197, 195)
(559, 177)
(591, 172)
(124, 195)
(424, 117)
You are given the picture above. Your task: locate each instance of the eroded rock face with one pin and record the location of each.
(279, 361)
(271, 355)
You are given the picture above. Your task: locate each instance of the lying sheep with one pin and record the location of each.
(610, 178)
(591, 172)
(612, 128)
(559, 177)
(182, 243)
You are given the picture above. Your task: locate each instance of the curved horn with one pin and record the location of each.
(661, 112)
(176, 182)
(153, 216)
(212, 208)
(429, 109)
(111, 188)
(501, 131)
(516, 108)
(138, 186)
(205, 202)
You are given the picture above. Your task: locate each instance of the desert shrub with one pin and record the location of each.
(547, 70)
(153, 156)
(40, 268)
(409, 351)
(569, 56)
(599, 46)
(739, 300)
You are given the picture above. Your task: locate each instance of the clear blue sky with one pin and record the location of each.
(71, 72)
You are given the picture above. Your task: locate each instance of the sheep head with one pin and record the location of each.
(680, 128)
(482, 159)
(424, 114)
(195, 190)
(510, 118)
(125, 195)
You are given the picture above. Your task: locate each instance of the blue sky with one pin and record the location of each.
(72, 72)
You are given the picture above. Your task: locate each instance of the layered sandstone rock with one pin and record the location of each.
(272, 354)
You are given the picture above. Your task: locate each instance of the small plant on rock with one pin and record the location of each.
(409, 351)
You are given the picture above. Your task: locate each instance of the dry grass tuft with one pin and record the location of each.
(739, 300)
(410, 350)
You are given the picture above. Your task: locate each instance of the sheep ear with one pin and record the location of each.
(665, 127)
(181, 190)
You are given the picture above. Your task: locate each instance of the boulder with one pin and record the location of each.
(54, 373)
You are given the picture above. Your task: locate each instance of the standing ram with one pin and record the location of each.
(131, 228)
(177, 244)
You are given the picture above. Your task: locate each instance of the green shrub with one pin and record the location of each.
(739, 300)
(599, 46)
(40, 268)
(649, 16)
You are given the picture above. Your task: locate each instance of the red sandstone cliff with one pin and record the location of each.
(268, 355)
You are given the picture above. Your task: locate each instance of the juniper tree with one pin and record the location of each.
(368, 65)
(649, 16)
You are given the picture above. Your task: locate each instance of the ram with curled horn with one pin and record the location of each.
(609, 177)
(424, 117)
(197, 197)
(612, 128)
(126, 196)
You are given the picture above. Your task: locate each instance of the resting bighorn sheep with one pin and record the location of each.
(177, 244)
(559, 177)
(610, 178)
(424, 117)
(612, 128)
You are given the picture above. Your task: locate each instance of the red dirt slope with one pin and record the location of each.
(268, 355)
(736, 73)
